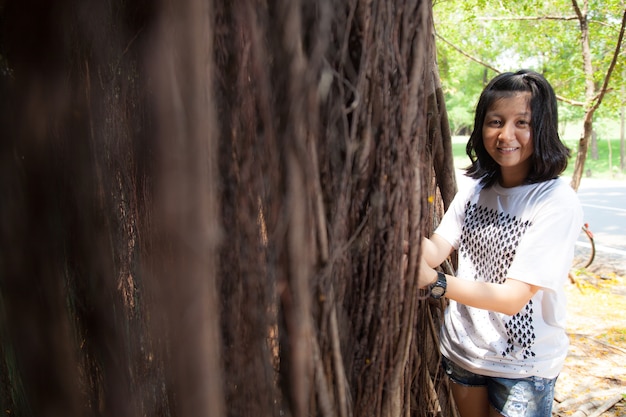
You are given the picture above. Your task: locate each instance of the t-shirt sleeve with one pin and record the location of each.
(545, 253)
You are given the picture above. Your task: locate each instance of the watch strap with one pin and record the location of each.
(439, 287)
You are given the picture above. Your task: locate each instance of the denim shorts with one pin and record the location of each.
(524, 397)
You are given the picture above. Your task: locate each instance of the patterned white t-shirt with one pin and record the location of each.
(526, 233)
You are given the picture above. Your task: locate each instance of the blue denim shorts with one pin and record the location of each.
(524, 397)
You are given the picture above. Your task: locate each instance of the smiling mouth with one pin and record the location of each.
(507, 149)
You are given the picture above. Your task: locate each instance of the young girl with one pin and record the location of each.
(503, 339)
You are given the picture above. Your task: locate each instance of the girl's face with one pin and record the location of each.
(507, 137)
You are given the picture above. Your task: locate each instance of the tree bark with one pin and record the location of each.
(587, 134)
(207, 204)
(622, 132)
(581, 155)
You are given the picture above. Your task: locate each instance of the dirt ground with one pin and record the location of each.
(594, 376)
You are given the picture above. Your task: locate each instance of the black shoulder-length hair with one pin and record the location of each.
(550, 155)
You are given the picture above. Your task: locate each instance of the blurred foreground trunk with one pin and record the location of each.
(204, 205)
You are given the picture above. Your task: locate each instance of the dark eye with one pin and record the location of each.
(494, 123)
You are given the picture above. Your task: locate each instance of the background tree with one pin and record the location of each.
(575, 44)
(205, 204)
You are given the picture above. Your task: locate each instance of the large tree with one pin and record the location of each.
(205, 204)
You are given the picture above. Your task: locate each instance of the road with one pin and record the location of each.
(604, 204)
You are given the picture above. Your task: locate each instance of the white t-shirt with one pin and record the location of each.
(526, 233)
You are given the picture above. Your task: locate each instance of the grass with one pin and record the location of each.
(598, 168)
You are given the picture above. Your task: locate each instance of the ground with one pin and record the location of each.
(595, 369)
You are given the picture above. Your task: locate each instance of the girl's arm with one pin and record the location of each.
(435, 250)
(508, 298)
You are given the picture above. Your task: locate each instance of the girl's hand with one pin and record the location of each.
(427, 275)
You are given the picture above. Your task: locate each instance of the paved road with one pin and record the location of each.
(604, 203)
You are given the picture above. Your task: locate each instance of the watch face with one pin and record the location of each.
(437, 291)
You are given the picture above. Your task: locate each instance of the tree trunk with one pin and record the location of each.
(622, 132)
(581, 156)
(205, 205)
(590, 92)
(594, 145)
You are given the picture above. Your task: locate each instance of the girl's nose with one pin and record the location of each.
(507, 132)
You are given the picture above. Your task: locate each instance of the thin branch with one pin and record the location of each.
(465, 54)
(578, 11)
(493, 18)
(538, 18)
(618, 47)
(497, 71)
(570, 101)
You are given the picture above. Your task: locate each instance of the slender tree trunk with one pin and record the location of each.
(622, 131)
(587, 134)
(581, 156)
(594, 145)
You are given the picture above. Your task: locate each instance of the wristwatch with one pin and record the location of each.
(438, 288)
